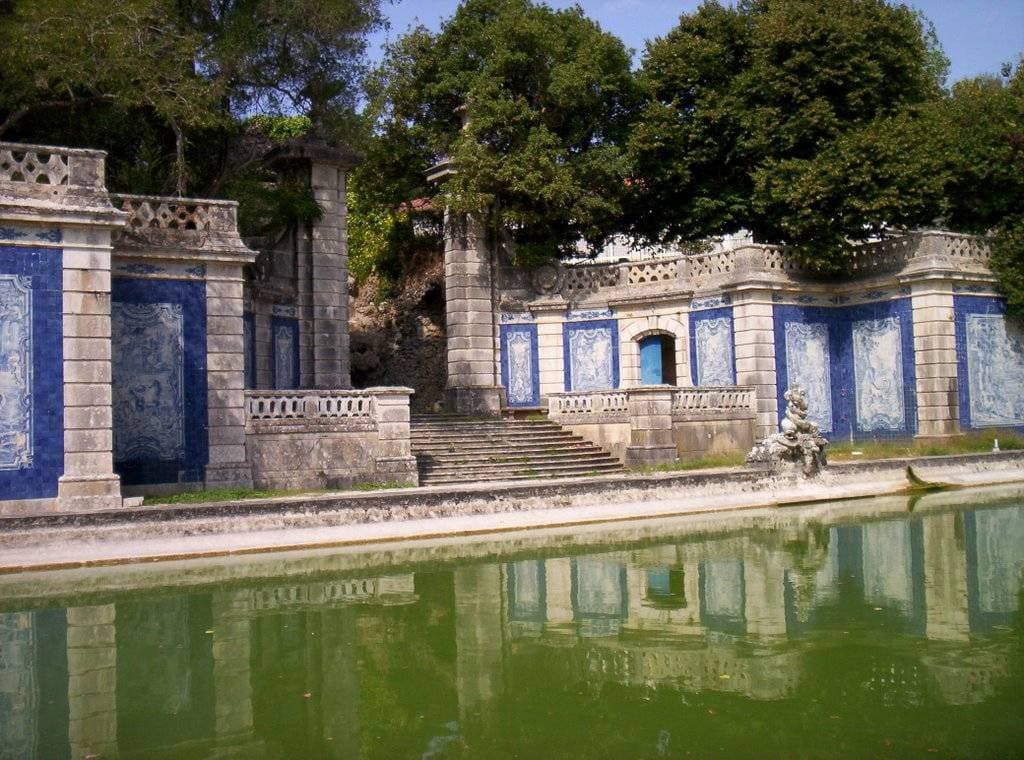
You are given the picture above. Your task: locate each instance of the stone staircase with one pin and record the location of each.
(451, 449)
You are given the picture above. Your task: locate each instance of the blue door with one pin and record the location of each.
(651, 371)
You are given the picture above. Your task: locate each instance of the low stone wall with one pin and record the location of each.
(329, 439)
(658, 424)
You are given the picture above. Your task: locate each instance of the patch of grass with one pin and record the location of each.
(379, 486)
(246, 494)
(536, 417)
(975, 442)
(731, 459)
(217, 494)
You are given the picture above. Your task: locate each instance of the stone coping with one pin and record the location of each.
(389, 504)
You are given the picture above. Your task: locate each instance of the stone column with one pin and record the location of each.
(88, 481)
(473, 385)
(754, 329)
(92, 681)
(650, 419)
(225, 375)
(393, 459)
(331, 359)
(935, 361)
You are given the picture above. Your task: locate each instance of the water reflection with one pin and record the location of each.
(703, 645)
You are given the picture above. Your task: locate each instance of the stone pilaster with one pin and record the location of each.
(89, 481)
(225, 376)
(474, 386)
(92, 681)
(329, 296)
(755, 354)
(935, 360)
(550, 357)
(393, 458)
(650, 420)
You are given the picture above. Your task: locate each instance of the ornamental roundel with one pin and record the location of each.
(547, 278)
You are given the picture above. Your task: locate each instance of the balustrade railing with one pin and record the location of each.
(282, 405)
(34, 165)
(589, 403)
(714, 400)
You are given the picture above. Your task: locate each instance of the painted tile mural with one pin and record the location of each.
(284, 345)
(592, 356)
(878, 374)
(15, 372)
(808, 360)
(519, 364)
(995, 370)
(713, 340)
(148, 381)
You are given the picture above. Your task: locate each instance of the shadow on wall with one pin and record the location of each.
(400, 340)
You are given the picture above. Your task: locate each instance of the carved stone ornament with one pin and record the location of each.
(799, 442)
(547, 279)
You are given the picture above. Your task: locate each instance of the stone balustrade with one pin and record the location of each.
(578, 282)
(280, 405)
(655, 424)
(329, 438)
(710, 402)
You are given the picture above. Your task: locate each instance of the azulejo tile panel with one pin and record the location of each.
(16, 443)
(591, 351)
(148, 381)
(867, 367)
(878, 374)
(527, 591)
(519, 365)
(711, 342)
(249, 345)
(808, 356)
(284, 349)
(990, 353)
(31, 372)
(158, 335)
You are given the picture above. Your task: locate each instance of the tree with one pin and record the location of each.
(760, 115)
(184, 74)
(546, 97)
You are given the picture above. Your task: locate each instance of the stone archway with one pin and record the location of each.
(675, 359)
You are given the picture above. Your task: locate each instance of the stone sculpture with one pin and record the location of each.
(799, 441)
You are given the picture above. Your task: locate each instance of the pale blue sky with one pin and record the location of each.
(977, 35)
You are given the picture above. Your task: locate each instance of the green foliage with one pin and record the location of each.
(182, 74)
(760, 116)
(1008, 264)
(370, 229)
(547, 96)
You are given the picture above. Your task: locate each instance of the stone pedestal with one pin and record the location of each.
(393, 460)
(650, 419)
(474, 385)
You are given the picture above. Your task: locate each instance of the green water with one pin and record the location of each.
(879, 629)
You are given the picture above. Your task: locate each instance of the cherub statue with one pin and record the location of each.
(799, 439)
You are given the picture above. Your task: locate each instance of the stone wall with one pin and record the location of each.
(890, 350)
(331, 439)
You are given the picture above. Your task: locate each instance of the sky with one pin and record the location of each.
(977, 35)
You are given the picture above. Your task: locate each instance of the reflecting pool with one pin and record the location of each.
(886, 628)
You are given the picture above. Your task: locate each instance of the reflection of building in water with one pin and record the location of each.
(342, 667)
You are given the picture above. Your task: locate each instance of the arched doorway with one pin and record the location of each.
(658, 360)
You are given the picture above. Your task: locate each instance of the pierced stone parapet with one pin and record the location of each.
(167, 227)
(584, 405)
(280, 405)
(37, 166)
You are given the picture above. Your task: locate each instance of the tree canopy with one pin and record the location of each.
(166, 86)
(756, 115)
(546, 97)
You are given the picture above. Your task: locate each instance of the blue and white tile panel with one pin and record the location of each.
(520, 368)
(591, 355)
(712, 357)
(990, 364)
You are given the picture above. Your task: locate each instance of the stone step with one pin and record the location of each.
(458, 435)
(463, 429)
(428, 466)
(574, 472)
(582, 449)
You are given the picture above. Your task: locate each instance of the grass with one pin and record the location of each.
(731, 459)
(246, 494)
(975, 442)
